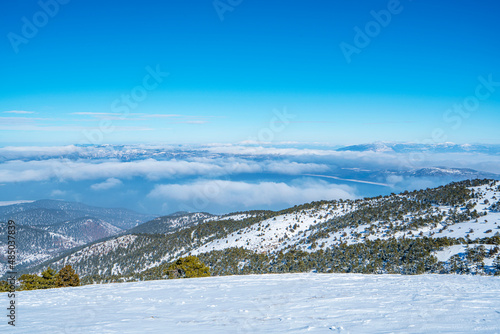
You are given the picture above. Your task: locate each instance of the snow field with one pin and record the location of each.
(288, 303)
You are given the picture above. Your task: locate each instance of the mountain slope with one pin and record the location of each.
(85, 230)
(170, 223)
(402, 233)
(50, 212)
(415, 147)
(47, 228)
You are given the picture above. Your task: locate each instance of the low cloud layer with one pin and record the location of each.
(202, 194)
(108, 184)
(151, 169)
(222, 177)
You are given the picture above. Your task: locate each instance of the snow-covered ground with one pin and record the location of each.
(100, 248)
(278, 232)
(292, 229)
(290, 303)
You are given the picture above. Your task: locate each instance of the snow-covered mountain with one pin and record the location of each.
(84, 230)
(51, 212)
(453, 228)
(444, 172)
(417, 147)
(171, 222)
(47, 228)
(305, 229)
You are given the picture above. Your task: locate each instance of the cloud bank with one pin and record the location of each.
(205, 193)
(108, 184)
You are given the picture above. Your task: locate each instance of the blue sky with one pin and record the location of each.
(226, 78)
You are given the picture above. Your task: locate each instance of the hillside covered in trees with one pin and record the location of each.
(450, 229)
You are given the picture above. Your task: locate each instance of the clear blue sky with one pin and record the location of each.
(226, 76)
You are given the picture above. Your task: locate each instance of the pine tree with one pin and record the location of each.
(48, 279)
(4, 286)
(496, 263)
(67, 277)
(187, 267)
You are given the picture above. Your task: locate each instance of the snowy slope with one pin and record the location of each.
(273, 234)
(312, 227)
(168, 224)
(97, 250)
(291, 303)
(279, 233)
(85, 230)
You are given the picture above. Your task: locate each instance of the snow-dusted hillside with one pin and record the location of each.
(276, 233)
(48, 228)
(85, 230)
(457, 225)
(289, 303)
(97, 250)
(294, 229)
(176, 221)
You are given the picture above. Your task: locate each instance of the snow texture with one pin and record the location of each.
(289, 303)
(277, 234)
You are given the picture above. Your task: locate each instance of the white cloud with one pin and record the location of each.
(64, 169)
(294, 168)
(19, 112)
(201, 194)
(67, 128)
(57, 193)
(5, 203)
(395, 179)
(21, 164)
(88, 113)
(108, 184)
(21, 152)
(161, 115)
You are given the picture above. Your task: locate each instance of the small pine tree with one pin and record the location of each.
(67, 277)
(30, 282)
(496, 263)
(4, 286)
(188, 267)
(48, 279)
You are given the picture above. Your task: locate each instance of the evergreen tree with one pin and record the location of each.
(496, 263)
(28, 282)
(67, 277)
(4, 286)
(187, 267)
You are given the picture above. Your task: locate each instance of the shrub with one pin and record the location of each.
(188, 267)
(67, 277)
(50, 279)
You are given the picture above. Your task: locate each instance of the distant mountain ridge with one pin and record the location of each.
(447, 172)
(85, 230)
(50, 212)
(416, 147)
(46, 228)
